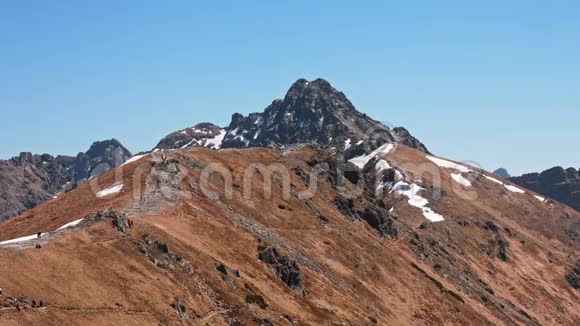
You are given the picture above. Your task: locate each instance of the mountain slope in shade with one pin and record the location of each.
(28, 180)
(311, 112)
(503, 173)
(557, 183)
(174, 250)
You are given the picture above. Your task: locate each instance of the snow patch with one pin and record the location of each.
(460, 179)
(411, 192)
(114, 189)
(133, 159)
(22, 239)
(216, 142)
(381, 166)
(540, 198)
(361, 161)
(347, 144)
(514, 189)
(189, 144)
(70, 225)
(448, 164)
(493, 180)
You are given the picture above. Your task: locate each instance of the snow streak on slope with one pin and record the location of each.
(347, 144)
(514, 189)
(460, 179)
(540, 198)
(362, 160)
(70, 225)
(447, 164)
(133, 159)
(493, 180)
(114, 189)
(412, 193)
(216, 142)
(22, 239)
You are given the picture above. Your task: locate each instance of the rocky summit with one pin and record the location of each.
(28, 180)
(311, 112)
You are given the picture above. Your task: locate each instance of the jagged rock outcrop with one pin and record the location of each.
(29, 180)
(286, 268)
(556, 183)
(311, 112)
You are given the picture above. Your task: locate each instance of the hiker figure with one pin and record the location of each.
(39, 234)
(38, 246)
(163, 157)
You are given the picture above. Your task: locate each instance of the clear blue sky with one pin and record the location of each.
(496, 82)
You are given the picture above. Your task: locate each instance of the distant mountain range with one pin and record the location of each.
(28, 180)
(556, 183)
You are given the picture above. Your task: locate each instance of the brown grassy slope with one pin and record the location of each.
(435, 274)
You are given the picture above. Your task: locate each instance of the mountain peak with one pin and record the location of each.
(310, 112)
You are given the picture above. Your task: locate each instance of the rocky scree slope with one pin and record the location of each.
(28, 180)
(311, 112)
(276, 257)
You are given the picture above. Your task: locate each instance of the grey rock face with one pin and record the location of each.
(102, 156)
(311, 112)
(556, 183)
(29, 180)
